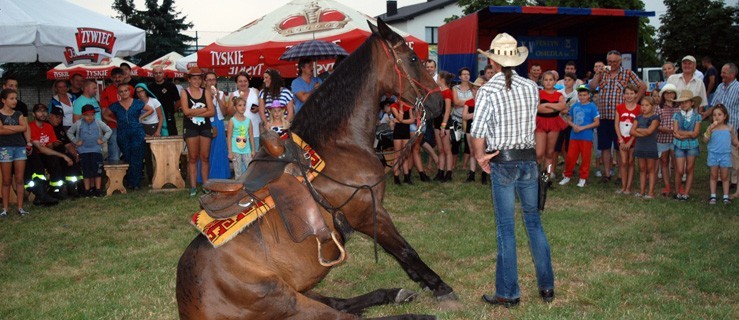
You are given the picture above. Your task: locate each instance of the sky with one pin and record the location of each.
(217, 18)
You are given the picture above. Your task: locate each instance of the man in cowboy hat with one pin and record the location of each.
(503, 143)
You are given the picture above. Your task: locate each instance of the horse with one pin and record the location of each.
(260, 273)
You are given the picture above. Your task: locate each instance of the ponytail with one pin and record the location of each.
(508, 72)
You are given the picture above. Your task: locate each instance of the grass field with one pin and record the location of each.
(614, 256)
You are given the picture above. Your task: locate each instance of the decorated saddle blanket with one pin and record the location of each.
(220, 231)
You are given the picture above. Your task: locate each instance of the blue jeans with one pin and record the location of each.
(509, 179)
(114, 152)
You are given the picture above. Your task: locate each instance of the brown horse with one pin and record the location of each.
(261, 273)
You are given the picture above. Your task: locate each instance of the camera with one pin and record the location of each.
(607, 68)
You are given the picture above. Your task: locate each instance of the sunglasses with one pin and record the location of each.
(241, 140)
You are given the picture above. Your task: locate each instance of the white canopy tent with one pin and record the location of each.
(59, 31)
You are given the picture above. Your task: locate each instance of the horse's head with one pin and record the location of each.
(405, 76)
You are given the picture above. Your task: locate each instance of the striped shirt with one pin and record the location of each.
(612, 91)
(728, 95)
(506, 118)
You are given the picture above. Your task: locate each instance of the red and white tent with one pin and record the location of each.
(59, 31)
(89, 71)
(168, 62)
(258, 45)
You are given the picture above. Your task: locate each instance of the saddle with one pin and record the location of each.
(274, 171)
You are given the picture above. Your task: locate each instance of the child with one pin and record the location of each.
(12, 148)
(686, 127)
(89, 134)
(718, 135)
(626, 113)
(645, 131)
(548, 121)
(241, 138)
(584, 118)
(571, 97)
(665, 146)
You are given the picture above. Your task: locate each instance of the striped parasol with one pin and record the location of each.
(314, 49)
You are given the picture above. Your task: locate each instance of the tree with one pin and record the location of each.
(699, 28)
(163, 26)
(647, 49)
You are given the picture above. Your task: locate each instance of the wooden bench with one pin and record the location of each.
(115, 171)
(166, 152)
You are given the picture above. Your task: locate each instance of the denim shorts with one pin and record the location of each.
(10, 154)
(662, 147)
(722, 160)
(684, 153)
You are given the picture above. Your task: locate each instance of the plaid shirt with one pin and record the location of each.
(665, 121)
(729, 97)
(506, 118)
(612, 91)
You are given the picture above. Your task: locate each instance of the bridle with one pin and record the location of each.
(402, 72)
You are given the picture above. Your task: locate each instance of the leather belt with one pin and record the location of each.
(515, 155)
(548, 115)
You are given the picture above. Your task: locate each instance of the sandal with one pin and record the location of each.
(727, 201)
(712, 200)
(666, 192)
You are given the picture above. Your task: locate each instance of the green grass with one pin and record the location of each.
(614, 256)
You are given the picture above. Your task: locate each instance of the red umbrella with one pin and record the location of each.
(167, 62)
(259, 44)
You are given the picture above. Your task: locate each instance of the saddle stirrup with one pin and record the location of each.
(341, 257)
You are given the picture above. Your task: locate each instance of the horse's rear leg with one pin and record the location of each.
(356, 305)
(393, 243)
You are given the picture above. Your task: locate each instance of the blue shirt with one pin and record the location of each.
(583, 115)
(240, 143)
(128, 119)
(82, 101)
(299, 85)
(686, 124)
(720, 142)
(89, 134)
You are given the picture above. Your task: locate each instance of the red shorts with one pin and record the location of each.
(544, 124)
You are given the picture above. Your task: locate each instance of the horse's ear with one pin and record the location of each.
(373, 28)
(388, 34)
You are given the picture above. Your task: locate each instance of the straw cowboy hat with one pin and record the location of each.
(686, 95)
(503, 50)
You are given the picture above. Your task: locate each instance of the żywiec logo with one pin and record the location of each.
(95, 38)
(312, 19)
(71, 56)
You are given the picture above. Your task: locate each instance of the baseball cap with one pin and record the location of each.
(688, 57)
(57, 111)
(582, 87)
(88, 109)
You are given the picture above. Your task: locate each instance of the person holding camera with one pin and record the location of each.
(612, 79)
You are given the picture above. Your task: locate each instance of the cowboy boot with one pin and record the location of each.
(448, 177)
(470, 176)
(396, 180)
(439, 175)
(407, 179)
(484, 178)
(424, 177)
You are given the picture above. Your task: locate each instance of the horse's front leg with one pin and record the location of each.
(357, 305)
(393, 243)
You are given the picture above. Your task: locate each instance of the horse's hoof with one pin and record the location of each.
(404, 296)
(449, 296)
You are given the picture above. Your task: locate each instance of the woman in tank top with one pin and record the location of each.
(462, 92)
(197, 105)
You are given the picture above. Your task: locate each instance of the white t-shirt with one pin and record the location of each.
(252, 99)
(217, 106)
(153, 118)
(67, 119)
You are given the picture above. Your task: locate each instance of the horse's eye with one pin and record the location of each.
(414, 59)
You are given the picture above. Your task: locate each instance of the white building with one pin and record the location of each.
(422, 20)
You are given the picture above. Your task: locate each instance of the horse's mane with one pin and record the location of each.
(334, 101)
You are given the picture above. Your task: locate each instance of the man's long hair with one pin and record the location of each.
(508, 72)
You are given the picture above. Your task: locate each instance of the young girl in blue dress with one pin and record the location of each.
(720, 139)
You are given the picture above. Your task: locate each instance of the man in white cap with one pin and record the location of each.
(687, 80)
(503, 143)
